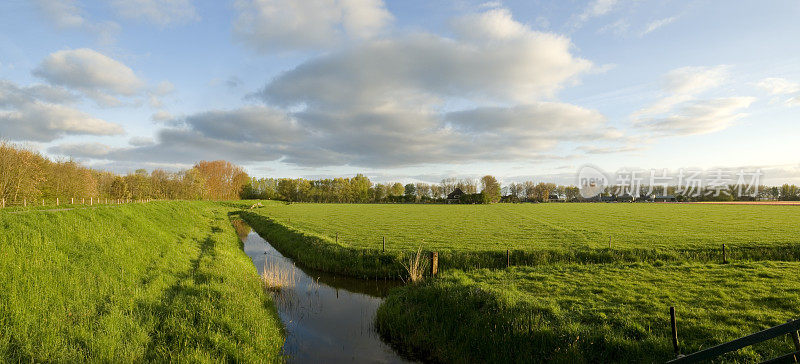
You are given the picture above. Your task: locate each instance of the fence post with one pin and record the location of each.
(434, 263)
(4, 203)
(796, 340)
(674, 331)
(72, 200)
(91, 201)
(384, 244)
(56, 201)
(724, 255)
(25, 202)
(83, 201)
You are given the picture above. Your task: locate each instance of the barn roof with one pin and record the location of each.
(455, 194)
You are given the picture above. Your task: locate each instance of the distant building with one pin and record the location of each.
(665, 198)
(556, 197)
(646, 198)
(455, 196)
(626, 198)
(600, 198)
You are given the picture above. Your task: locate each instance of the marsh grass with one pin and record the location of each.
(278, 276)
(416, 266)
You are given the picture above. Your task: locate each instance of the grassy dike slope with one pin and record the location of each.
(592, 313)
(163, 281)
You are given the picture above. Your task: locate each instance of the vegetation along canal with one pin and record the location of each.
(327, 318)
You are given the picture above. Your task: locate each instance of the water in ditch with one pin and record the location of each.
(328, 319)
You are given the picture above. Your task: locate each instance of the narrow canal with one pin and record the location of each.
(328, 319)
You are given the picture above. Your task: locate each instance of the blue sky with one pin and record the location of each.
(405, 90)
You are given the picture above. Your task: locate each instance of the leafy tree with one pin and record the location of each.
(397, 189)
(119, 189)
(490, 189)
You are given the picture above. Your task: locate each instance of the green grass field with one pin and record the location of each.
(477, 236)
(545, 226)
(593, 313)
(162, 281)
(578, 300)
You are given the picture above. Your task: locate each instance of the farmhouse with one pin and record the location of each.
(557, 197)
(646, 198)
(665, 198)
(627, 197)
(455, 196)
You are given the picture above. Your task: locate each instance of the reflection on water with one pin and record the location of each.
(328, 319)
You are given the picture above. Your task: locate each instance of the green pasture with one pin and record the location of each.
(161, 281)
(544, 226)
(592, 313)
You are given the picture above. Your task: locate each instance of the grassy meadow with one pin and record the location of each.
(568, 297)
(592, 313)
(161, 281)
(545, 226)
(477, 236)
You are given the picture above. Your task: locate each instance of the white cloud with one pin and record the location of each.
(596, 8)
(778, 86)
(98, 76)
(39, 121)
(93, 150)
(162, 116)
(12, 94)
(384, 103)
(693, 80)
(656, 24)
(794, 101)
(164, 88)
(495, 24)
(681, 112)
(63, 13)
(514, 64)
(67, 14)
(268, 25)
(141, 141)
(36, 113)
(159, 12)
(684, 84)
(619, 27)
(700, 117)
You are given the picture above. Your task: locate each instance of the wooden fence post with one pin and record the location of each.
(4, 203)
(42, 202)
(72, 200)
(434, 263)
(25, 202)
(56, 201)
(724, 255)
(796, 340)
(384, 244)
(91, 201)
(674, 331)
(83, 201)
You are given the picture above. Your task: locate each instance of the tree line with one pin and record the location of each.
(360, 189)
(27, 175)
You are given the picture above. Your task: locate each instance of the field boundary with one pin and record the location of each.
(325, 254)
